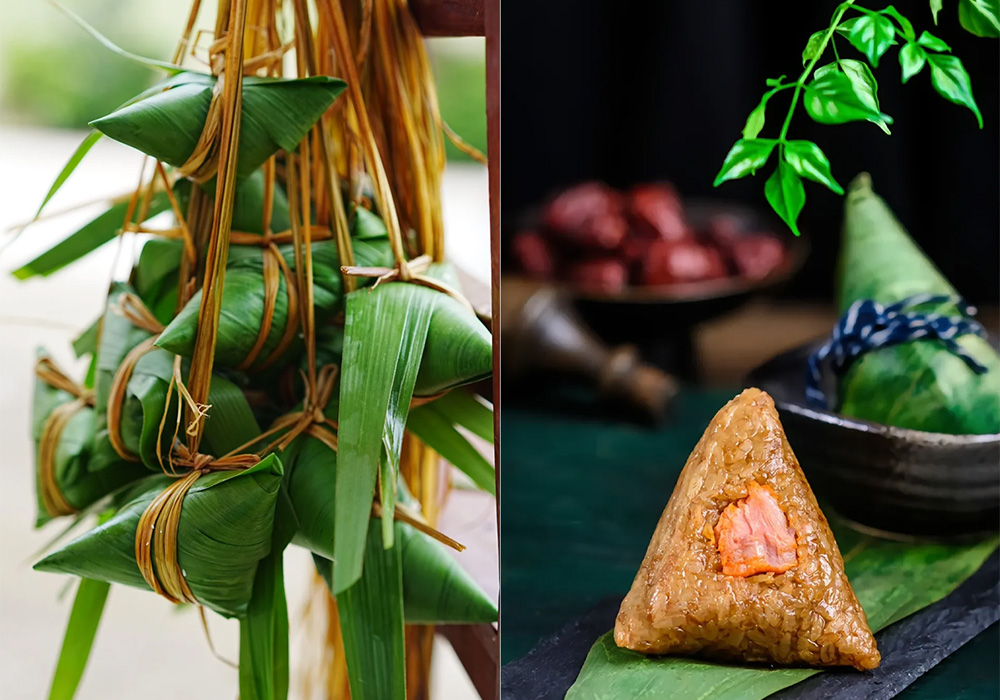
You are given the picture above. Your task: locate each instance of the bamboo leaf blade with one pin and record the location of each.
(91, 236)
(371, 620)
(74, 160)
(385, 332)
(81, 630)
(468, 410)
(431, 426)
(877, 574)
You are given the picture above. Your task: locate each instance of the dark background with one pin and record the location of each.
(637, 91)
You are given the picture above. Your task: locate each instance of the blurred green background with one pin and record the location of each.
(53, 74)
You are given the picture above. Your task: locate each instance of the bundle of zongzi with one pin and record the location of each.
(63, 425)
(223, 530)
(923, 365)
(743, 565)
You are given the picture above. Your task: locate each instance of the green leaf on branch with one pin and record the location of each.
(871, 34)
(746, 157)
(936, 6)
(932, 43)
(904, 23)
(836, 97)
(980, 17)
(911, 59)
(950, 79)
(785, 194)
(88, 606)
(813, 46)
(809, 161)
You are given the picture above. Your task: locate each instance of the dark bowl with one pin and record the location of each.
(893, 481)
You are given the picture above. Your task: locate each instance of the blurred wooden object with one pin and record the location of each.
(541, 331)
(450, 17)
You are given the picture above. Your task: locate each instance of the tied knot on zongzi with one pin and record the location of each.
(868, 325)
(311, 419)
(156, 536)
(413, 272)
(53, 499)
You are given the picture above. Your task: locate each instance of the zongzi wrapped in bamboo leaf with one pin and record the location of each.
(167, 123)
(459, 348)
(224, 529)
(436, 589)
(63, 425)
(743, 565)
(920, 384)
(244, 302)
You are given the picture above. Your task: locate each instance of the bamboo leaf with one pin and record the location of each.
(86, 342)
(385, 332)
(74, 160)
(431, 426)
(87, 239)
(277, 114)
(371, 620)
(111, 46)
(468, 410)
(881, 573)
(84, 619)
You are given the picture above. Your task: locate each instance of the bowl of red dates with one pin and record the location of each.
(644, 266)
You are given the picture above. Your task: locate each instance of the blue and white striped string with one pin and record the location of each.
(868, 325)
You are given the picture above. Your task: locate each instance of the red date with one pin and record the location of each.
(534, 255)
(587, 216)
(655, 211)
(607, 275)
(684, 261)
(756, 255)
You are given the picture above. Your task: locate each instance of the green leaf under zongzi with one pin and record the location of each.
(919, 384)
(88, 608)
(224, 531)
(881, 573)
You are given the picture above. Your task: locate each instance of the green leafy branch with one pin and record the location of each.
(844, 90)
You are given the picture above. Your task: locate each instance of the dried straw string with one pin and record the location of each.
(53, 499)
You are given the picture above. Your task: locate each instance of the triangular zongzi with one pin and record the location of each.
(743, 565)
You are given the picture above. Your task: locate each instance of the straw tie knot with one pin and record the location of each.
(412, 272)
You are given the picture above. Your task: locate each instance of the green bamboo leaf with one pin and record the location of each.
(911, 59)
(785, 194)
(86, 342)
(980, 17)
(74, 160)
(84, 619)
(835, 97)
(809, 161)
(879, 573)
(264, 632)
(371, 620)
(468, 410)
(224, 531)
(439, 433)
(922, 385)
(936, 6)
(277, 114)
(385, 332)
(367, 224)
(871, 34)
(949, 78)
(932, 43)
(86, 240)
(746, 157)
(904, 23)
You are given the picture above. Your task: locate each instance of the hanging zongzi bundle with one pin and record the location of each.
(743, 565)
(909, 355)
(63, 423)
(223, 529)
